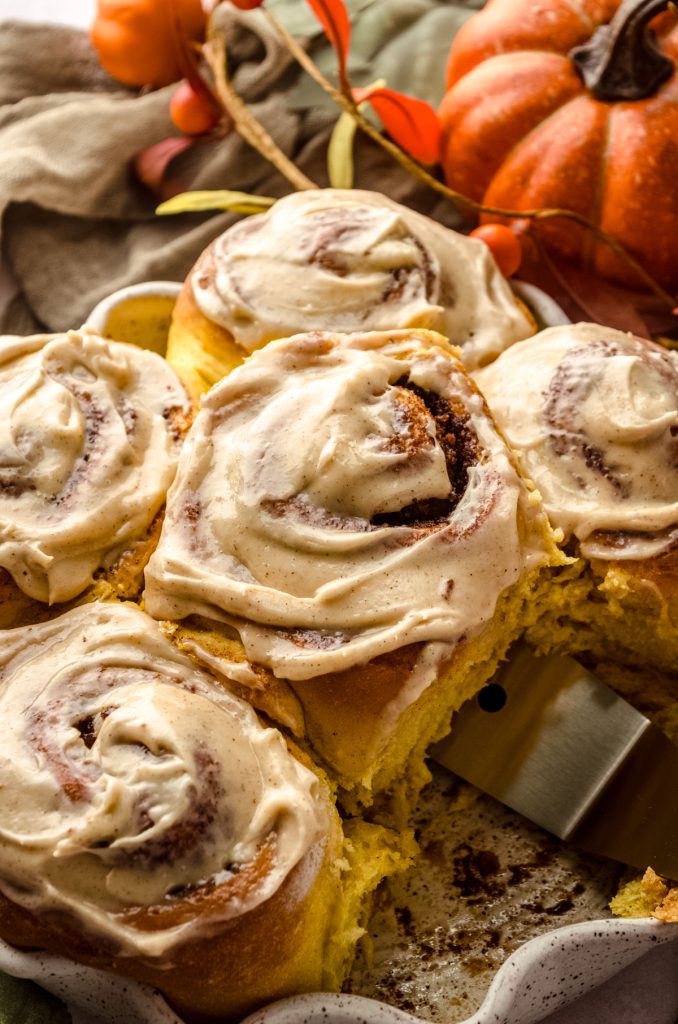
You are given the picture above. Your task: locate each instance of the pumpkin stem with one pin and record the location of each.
(622, 61)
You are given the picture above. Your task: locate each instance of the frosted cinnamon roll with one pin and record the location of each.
(346, 507)
(593, 413)
(340, 260)
(90, 432)
(151, 825)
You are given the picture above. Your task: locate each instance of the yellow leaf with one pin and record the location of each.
(219, 199)
(340, 152)
(340, 149)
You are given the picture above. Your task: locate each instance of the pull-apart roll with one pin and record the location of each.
(348, 536)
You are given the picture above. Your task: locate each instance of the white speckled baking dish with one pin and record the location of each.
(635, 962)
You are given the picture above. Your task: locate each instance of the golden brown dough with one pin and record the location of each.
(348, 539)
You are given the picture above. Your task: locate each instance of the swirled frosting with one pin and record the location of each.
(594, 415)
(89, 442)
(129, 779)
(344, 260)
(341, 496)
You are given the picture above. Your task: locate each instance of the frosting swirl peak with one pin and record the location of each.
(349, 260)
(336, 500)
(594, 414)
(81, 417)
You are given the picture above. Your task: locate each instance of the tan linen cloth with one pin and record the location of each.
(76, 222)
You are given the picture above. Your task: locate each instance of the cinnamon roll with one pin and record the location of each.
(339, 260)
(90, 432)
(593, 414)
(348, 530)
(152, 826)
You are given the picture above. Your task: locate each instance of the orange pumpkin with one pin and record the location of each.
(557, 104)
(138, 40)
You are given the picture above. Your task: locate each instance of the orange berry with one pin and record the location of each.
(192, 113)
(503, 244)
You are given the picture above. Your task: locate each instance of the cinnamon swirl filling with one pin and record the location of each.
(330, 491)
(353, 261)
(90, 432)
(133, 787)
(594, 413)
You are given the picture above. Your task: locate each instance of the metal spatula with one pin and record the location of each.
(552, 742)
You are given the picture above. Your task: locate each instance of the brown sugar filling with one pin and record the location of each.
(459, 444)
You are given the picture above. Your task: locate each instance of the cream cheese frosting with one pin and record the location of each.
(593, 413)
(339, 497)
(88, 447)
(128, 775)
(348, 260)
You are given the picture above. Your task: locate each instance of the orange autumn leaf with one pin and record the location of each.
(413, 123)
(335, 20)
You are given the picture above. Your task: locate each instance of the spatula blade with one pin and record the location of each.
(571, 755)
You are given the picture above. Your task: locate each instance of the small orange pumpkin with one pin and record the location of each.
(556, 104)
(138, 40)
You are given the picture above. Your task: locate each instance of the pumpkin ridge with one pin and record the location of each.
(547, 73)
(641, 199)
(528, 135)
(589, 249)
(669, 43)
(524, 49)
(476, 40)
(562, 148)
(584, 19)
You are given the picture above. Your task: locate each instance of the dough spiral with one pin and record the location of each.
(337, 499)
(594, 414)
(90, 432)
(351, 260)
(138, 798)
